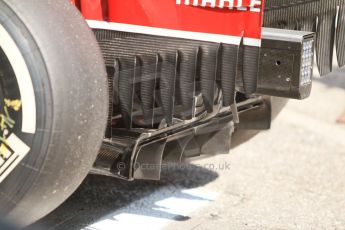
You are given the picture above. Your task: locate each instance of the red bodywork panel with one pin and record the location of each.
(224, 21)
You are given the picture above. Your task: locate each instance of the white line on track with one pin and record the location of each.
(179, 205)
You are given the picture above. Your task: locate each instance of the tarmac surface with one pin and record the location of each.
(290, 177)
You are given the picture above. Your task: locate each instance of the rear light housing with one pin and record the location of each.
(286, 63)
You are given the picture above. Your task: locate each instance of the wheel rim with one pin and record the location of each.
(12, 147)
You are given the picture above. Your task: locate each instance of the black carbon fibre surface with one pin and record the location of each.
(340, 43)
(126, 88)
(208, 74)
(186, 83)
(148, 67)
(250, 68)
(229, 62)
(160, 78)
(167, 76)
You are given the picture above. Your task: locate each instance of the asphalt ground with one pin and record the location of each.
(290, 177)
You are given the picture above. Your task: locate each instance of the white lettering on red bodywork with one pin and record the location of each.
(243, 5)
(222, 21)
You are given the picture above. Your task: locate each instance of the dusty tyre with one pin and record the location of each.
(53, 105)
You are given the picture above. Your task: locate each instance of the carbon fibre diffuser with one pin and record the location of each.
(318, 16)
(140, 154)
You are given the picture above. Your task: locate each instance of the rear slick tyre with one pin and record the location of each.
(53, 105)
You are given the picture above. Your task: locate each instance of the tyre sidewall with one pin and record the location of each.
(70, 84)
